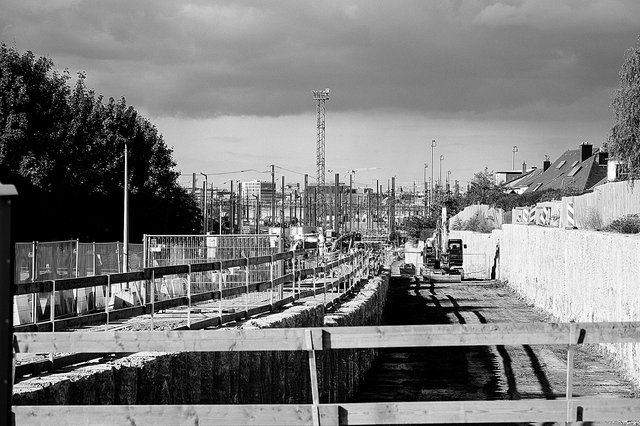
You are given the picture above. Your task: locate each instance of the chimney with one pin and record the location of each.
(602, 158)
(524, 167)
(546, 164)
(586, 149)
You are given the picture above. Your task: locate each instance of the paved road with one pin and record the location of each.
(478, 373)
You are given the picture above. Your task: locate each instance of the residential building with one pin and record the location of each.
(580, 169)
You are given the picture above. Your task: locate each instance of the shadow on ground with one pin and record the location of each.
(439, 374)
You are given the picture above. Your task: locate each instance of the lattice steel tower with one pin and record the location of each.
(320, 97)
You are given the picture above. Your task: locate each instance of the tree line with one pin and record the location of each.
(62, 146)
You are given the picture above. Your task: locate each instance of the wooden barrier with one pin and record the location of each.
(327, 338)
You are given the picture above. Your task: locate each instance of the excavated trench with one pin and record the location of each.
(478, 373)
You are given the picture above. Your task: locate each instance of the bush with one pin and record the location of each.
(628, 224)
(478, 223)
(457, 225)
(593, 220)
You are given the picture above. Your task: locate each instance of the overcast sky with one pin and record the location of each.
(229, 84)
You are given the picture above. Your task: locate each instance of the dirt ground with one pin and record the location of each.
(479, 373)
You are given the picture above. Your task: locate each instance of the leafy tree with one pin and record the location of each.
(483, 190)
(63, 148)
(624, 138)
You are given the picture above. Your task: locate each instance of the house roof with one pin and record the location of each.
(525, 180)
(567, 172)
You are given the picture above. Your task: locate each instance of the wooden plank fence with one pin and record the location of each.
(313, 340)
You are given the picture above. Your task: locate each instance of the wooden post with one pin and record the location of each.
(246, 283)
(189, 297)
(271, 282)
(293, 270)
(153, 296)
(570, 354)
(324, 281)
(7, 358)
(313, 372)
(52, 307)
(220, 289)
(34, 296)
(107, 295)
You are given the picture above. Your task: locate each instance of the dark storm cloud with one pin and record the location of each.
(204, 58)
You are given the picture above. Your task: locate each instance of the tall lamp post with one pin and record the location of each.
(433, 145)
(205, 223)
(425, 188)
(440, 178)
(513, 161)
(125, 231)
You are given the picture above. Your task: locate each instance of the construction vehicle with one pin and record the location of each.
(443, 257)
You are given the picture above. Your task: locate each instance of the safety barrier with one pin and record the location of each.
(146, 284)
(315, 340)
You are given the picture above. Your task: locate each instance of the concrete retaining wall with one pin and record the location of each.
(572, 275)
(223, 377)
(480, 255)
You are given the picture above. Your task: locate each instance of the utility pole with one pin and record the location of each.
(433, 145)
(315, 206)
(282, 211)
(204, 204)
(335, 224)
(125, 237)
(232, 216)
(239, 207)
(392, 207)
(273, 195)
(350, 201)
(305, 213)
(378, 191)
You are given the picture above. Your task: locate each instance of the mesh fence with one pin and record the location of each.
(166, 250)
(55, 260)
(64, 259)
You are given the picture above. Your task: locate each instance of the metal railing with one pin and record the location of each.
(155, 288)
(315, 340)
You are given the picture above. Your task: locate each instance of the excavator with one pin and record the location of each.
(443, 256)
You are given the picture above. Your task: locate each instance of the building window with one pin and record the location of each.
(575, 170)
(536, 187)
(560, 164)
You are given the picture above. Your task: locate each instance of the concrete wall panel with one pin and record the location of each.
(574, 275)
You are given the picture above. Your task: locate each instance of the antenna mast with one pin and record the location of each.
(320, 96)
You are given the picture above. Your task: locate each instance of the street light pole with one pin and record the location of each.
(433, 145)
(204, 205)
(125, 236)
(425, 188)
(440, 178)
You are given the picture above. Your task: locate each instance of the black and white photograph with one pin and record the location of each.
(340, 212)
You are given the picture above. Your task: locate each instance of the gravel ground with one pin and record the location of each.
(479, 373)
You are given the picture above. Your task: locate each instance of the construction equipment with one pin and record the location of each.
(443, 256)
